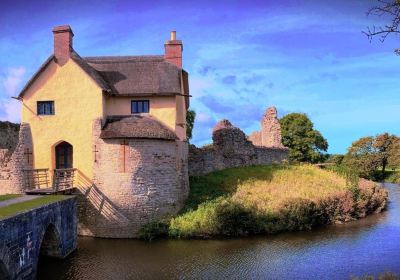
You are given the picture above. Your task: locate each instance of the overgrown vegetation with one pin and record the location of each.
(269, 199)
(190, 117)
(8, 196)
(16, 208)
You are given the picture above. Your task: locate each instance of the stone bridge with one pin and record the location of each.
(49, 230)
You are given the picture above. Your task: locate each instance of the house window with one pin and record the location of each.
(140, 106)
(45, 108)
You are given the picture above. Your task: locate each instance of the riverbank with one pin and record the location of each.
(268, 199)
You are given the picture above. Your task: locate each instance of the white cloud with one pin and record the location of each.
(12, 110)
(11, 82)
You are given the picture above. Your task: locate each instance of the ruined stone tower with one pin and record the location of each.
(271, 129)
(270, 134)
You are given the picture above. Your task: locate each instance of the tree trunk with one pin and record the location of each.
(384, 163)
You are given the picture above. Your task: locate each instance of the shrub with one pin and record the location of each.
(300, 214)
(154, 230)
(235, 220)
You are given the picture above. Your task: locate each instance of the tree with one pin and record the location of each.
(361, 156)
(304, 142)
(390, 8)
(369, 154)
(383, 144)
(394, 154)
(190, 117)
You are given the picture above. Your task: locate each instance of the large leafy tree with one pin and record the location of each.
(304, 142)
(190, 117)
(394, 154)
(371, 155)
(362, 157)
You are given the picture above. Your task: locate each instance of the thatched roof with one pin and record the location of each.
(138, 75)
(129, 75)
(136, 126)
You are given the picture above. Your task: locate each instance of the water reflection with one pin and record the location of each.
(335, 252)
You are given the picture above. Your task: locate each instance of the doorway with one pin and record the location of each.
(64, 155)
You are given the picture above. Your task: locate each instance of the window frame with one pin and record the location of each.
(44, 112)
(135, 104)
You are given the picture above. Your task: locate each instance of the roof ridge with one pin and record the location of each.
(126, 58)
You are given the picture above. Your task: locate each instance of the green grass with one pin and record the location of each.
(8, 196)
(16, 208)
(267, 199)
(265, 187)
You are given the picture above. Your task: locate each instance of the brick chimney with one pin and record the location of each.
(173, 50)
(62, 43)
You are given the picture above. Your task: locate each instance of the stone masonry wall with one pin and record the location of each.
(47, 230)
(15, 143)
(136, 181)
(231, 148)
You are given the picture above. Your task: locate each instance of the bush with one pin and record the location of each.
(300, 214)
(154, 230)
(235, 220)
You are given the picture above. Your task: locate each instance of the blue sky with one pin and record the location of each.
(242, 56)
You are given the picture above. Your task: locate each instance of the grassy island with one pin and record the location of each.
(269, 199)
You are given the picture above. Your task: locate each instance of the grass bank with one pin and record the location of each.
(4, 197)
(268, 199)
(10, 210)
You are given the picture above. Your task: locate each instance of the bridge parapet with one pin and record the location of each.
(49, 230)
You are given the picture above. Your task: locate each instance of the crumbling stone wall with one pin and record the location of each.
(15, 141)
(136, 181)
(270, 134)
(231, 148)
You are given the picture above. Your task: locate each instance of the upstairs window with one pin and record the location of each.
(140, 106)
(45, 107)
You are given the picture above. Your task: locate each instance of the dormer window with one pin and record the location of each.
(140, 106)
(45, 108)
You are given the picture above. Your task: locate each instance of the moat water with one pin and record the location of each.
(368, 246)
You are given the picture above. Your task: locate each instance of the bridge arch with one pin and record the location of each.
(4, 260)
(4, 274)
(50, 244)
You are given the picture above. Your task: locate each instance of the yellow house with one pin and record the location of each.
(118, 117)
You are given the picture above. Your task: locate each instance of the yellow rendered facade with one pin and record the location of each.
(78, 101)
(161, 107)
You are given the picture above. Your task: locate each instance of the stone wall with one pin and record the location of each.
(136, 181)
(48, 230)
(15, 156)
(231, 148)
